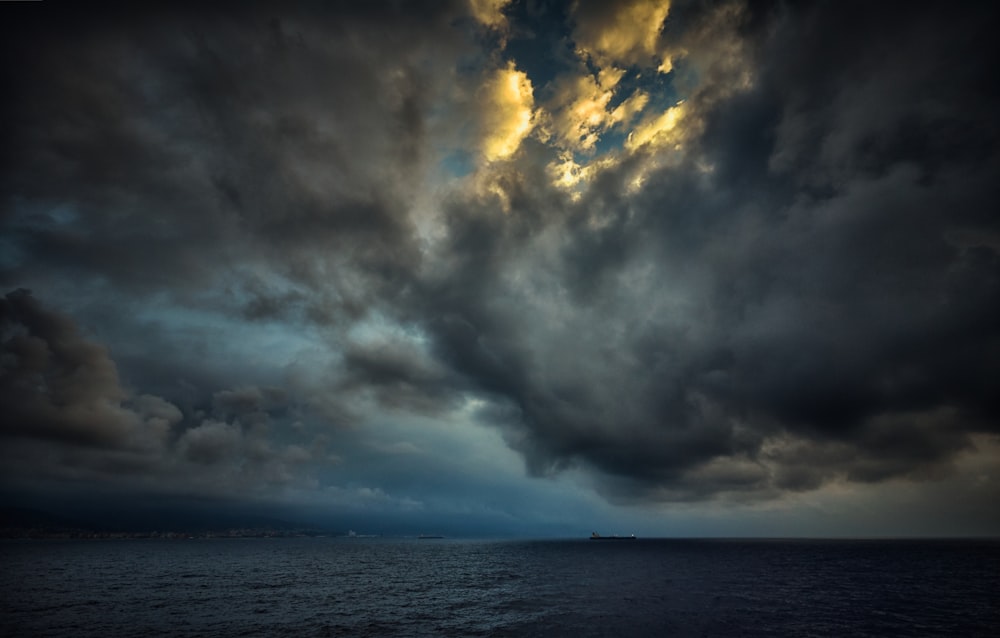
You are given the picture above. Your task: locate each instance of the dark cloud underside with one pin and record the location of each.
(802, 287)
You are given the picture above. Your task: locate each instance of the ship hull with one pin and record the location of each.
(612, 538)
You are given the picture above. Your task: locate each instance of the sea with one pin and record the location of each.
(451, 587)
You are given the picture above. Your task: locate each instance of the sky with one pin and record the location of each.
(490, 267)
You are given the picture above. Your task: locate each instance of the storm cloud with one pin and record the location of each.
(687, 252)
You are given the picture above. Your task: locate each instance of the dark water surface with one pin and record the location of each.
(403, 587)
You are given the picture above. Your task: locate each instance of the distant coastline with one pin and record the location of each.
(32, 524)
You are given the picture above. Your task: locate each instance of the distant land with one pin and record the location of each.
(29, 523)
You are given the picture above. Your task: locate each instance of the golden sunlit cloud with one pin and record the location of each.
(489, 13)
(661, 131)
(579, 111)
(565, 172)
(658, 132)
(592, 100)
(507, 104)
(627, 110)
(629, 36)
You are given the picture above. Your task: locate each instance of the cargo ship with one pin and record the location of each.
(597, 537)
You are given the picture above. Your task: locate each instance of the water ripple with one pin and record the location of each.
(372, 587)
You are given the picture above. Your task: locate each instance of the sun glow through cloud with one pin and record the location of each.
(508, 118)
(629, 35)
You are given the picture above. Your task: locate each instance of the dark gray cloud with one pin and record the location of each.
(58, 385)
(258, 212)
(830, 297)
(189, 141)
(61, 389)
